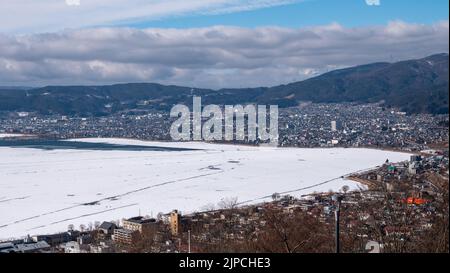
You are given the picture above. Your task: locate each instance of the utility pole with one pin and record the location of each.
(338, 199)
(189, 241)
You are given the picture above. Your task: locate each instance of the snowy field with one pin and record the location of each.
(43, 191)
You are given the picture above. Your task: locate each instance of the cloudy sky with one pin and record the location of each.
(209, 43)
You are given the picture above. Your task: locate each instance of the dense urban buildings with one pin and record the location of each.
(309, 125)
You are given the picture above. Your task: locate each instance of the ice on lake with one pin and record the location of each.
(44, 190)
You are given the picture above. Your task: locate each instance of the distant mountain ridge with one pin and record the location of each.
(414, 86)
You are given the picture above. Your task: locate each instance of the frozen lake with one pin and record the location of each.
(43, 190)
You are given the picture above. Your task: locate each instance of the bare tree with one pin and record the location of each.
(228, 203)
(275, 196)
(82, 228)
(436, 239)
(291, 233)
(345, 188)
(208, 207)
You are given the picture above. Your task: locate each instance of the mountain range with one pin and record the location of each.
(413, 86)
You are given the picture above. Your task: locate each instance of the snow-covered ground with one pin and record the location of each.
(4, 135)
(43, 191)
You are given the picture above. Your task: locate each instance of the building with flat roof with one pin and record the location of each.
(125, 236)
(11, 247)
(132, 228)
(139, 223)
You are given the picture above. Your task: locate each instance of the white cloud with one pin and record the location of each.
(373, 2)
(73, 2)
(28, 16)
(208, 57)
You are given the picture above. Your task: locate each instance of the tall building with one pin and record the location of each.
(175, 219)
(333, 126)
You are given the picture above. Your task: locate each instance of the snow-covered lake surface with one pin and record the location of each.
(44, 190)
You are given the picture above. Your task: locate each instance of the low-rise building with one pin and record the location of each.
(125, 236)
(107, 229)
